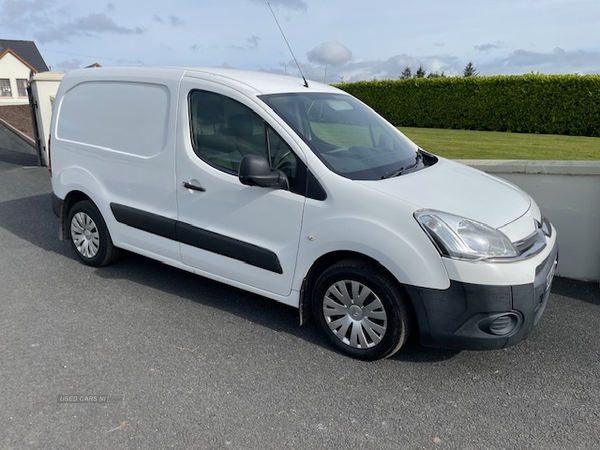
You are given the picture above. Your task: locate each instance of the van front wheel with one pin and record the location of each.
(361, 310)
(89, 235)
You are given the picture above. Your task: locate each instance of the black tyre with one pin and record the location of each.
(361, 310)
(89, 235)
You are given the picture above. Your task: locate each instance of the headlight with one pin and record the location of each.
(461, 238)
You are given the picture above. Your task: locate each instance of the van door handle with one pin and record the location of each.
(193, 187)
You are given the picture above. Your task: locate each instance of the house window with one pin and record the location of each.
(22, 87)
(5, 90)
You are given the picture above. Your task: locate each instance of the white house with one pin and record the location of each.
(18, 60)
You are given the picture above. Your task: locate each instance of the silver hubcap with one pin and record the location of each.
(85, 235)
(354, 314)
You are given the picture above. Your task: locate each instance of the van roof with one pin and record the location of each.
(251, 82)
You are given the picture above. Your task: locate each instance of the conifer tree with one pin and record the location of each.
(406, 73)
(470, 70)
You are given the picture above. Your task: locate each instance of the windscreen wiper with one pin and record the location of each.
(401, 170)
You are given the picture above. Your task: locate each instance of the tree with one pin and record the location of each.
(470, 70)
(436, 75)
(406, 73)
(420, 72)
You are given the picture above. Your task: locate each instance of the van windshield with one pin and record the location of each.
(346, 135)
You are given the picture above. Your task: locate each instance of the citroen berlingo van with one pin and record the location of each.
(298, 192)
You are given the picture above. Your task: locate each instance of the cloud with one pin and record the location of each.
(19, 9)
(252, 44)
(557, 61)
(253, 41)
(173, 21)
(330, 53)
(517, 62)
(487, 47)
(390, 68)
(67, 65)
(38, 18)
(90, 25)
(17, 14)
(299, 5)
(98, 23)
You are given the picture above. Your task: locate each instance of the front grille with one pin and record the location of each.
(525, 244)
(534, 243)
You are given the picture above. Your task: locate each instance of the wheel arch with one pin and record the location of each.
(71, 199)
(327, 260)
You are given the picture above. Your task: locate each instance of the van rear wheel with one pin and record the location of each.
(89, 235)
(361, 309)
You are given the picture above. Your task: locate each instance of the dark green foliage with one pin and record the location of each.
(547, 104)
(436, 75)
(406, 73)
(420, 72)
(470, 71)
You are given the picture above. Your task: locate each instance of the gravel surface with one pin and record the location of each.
(190, 363)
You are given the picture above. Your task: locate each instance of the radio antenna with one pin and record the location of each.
(288, 45)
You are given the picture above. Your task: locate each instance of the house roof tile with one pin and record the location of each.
(27, 51)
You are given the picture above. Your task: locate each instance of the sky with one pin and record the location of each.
(333, 40)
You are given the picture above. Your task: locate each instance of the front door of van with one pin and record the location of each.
(246, 235)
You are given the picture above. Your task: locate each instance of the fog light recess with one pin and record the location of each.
(504, 324)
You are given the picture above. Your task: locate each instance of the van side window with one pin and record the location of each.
(223, 131)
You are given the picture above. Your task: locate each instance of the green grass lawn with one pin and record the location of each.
(465, 144)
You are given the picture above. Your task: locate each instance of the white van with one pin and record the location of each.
(300, 193)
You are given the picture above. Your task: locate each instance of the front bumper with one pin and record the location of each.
(482, 317)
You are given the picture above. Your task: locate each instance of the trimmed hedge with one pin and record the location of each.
(546, 104)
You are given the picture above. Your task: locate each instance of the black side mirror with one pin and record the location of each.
(256, 171)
